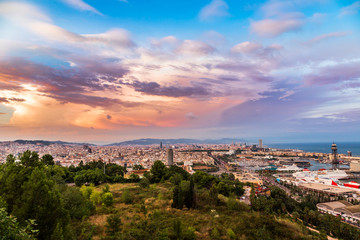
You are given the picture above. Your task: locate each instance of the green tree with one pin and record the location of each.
(158, 171)
(113, 225)
(58, 233)
(114, 170)
(29, 159)
(127, 197)
(134, 177)
(40, 198)
(11, 229)
(10, 159)
(177, 227)
(95, 176)
(144, 183)
(47, 159)
(215, 234)
(178, 198)
(213, 195)
(191, 202)
(86, 191)
(107, 199)
(76, 204)
(106, 188)
(231, 233)
(80, 179)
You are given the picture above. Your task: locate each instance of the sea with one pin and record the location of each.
(322, 147)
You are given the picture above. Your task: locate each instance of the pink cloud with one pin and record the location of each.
(326, 36)
(194, 47)
(246, 47)
(275, 27)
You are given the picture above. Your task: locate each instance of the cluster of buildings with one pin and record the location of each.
(73, 154)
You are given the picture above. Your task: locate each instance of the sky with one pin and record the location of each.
(113, 70)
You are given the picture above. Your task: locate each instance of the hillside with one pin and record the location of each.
(150, 141)
(149, 216)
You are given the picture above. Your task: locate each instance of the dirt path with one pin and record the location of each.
(314, 230)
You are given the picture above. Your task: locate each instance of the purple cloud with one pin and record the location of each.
(74, 85)
(153, 88)
(8, 100)
(334, 74)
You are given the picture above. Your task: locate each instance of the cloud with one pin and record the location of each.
(338, 73)
(8, 100)
(277, 26)
(2, 113)
(20, 11)
(317, 17)
(327, 36)
(81, 5)
(191, 116)
(193, 47)
(33, 20)
(168, 41)
(215, 9)
(114, 38)
(352, 9)
(273, 8)
(67, 85)
(246, 47)
(154, 88)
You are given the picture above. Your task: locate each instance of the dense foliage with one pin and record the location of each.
(38, 201)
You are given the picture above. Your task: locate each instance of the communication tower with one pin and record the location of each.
(335, 160)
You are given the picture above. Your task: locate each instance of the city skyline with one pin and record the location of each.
(103, 72)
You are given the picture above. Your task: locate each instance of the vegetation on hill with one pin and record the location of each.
(36, 202)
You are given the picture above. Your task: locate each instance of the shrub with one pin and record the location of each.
(144, 183)
(231, 233)
(235, 205)
(107, 199)
(87, 190)
(215, 234)
(95, 197)
(126, 197)
(113, 225)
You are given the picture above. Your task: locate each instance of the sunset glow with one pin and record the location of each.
(105, 71)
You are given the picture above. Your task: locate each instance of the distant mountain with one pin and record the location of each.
(151, 141)
(44, 142)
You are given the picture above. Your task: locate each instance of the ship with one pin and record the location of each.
(352, 184)
(291, 168)
(321, 174)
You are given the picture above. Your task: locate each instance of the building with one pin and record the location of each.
(170, 156)
(260, 143)
(347, 211)
(355, 166)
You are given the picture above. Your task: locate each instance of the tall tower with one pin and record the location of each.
(170, 156)
(260, 143)
(335, 160)
(160, 145)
